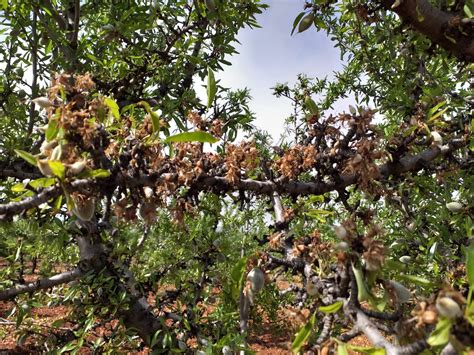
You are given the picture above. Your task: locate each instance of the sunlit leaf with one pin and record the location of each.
(197, 136)
(18, 188)
(114, 108)
(26, 156)
(440, 335)
(470, 264)
(211, 87)
(52, 130)
(42, 182)
(303, 334)
(332, 308)
(57, 168)
(94, 174)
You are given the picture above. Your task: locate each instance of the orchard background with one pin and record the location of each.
(133, 220)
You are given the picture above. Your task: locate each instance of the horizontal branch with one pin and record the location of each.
(42, 284)
(409, 163)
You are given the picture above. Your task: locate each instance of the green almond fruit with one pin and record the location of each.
(306, 22)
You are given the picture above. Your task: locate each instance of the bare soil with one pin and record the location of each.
(265, 337)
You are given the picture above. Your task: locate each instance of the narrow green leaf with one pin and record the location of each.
(296, 21)
(416, 280)
(237, 274)
(468, 11)
(362, 291)
(211, 87)
(155, 121)
(310, 104)
(94, 174)
(26, 156)
(197, 136)
(52, 130)
(57, 168)
(332, 308)
(367, 350)
(470, 264)
(114, 108)
(303, 334)
(57, 203)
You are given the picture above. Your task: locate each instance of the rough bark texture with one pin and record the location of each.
(443, 28)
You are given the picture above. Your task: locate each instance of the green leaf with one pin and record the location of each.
(367, 350)
(310, 105)
(416, 280)
(155, 121)
(470, 264)
(296, 21)
(468, 11)
(197, 136)
(42, 182)
(342, 348)
(18, 188)
(94, 174)
(211, 87)
(237, 274)
(363, 293)
(114, 108)
(440, 335)
(332, 308)
(58, 203)
(26, 156)
(57, 168)
(303, 334)
(52, 130)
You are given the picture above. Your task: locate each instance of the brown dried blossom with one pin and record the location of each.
(239, 159)
(216, 128)
(374, 254)
(296, 160)
(196, 119)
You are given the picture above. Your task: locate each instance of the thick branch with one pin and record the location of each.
(440, 27)
(405, 164)
(42, 284)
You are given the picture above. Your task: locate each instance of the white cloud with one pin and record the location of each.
(270, 55)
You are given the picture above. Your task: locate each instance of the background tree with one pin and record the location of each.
(107, 187)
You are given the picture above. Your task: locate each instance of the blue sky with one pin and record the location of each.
(270, 55)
